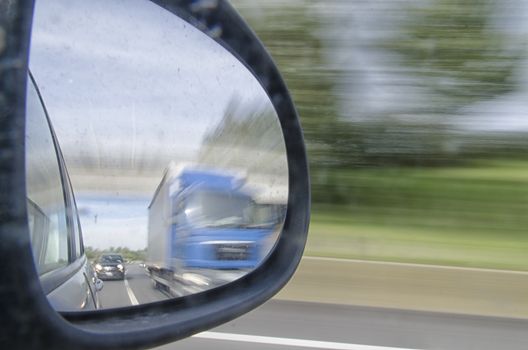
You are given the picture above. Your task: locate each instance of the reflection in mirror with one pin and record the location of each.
(175, 153)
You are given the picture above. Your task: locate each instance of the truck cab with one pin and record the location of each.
(215, 224)
(208, 228)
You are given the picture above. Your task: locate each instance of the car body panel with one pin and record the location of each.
(70, 285)
(75, 293)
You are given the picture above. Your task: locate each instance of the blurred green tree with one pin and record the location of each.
(456, 50)
(460, 49)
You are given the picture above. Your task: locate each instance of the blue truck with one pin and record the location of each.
(204, 229)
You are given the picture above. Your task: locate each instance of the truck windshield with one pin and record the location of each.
(220, 209)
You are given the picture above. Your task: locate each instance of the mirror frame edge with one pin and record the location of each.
(39, 325)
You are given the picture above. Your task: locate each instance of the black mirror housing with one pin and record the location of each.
(27, 320)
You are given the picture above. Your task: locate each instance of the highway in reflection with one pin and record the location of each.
(137, 288)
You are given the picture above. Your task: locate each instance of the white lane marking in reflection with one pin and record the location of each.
(438, 267)
(130, 293)
(291, 342)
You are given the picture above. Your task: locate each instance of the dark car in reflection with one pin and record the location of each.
(110, 267)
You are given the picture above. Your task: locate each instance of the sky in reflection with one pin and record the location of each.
(123, 82)
(130, 93)
(114, 221)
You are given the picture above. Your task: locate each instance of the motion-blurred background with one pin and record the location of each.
(416, 120)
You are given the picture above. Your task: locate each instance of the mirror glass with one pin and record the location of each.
(174, 152)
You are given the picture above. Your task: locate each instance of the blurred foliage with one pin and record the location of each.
(459, 52)
(252, 125)
(472, 215)
(451, 52)
(249, 138)
(128, 254)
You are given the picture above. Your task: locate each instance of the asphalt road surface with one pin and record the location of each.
(300, 325)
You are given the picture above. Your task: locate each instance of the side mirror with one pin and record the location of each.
(98, 285)
(32, 275)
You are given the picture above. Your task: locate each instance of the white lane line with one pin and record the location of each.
(291, 342)
(130, 293)
(438, 267)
